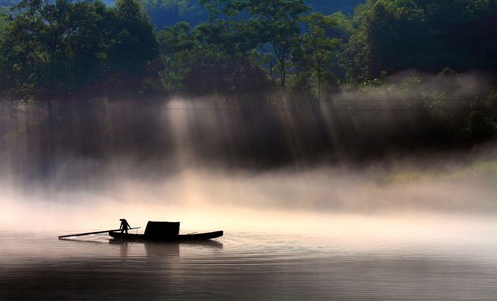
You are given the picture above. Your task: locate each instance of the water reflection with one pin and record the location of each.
(246, 266)
(152, 249)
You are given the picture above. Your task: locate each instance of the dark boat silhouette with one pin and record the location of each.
(164, 231)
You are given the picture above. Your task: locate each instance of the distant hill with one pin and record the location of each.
(168, 12)
(5, 3)
(332, 6)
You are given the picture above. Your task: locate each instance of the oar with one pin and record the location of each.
(96, 232)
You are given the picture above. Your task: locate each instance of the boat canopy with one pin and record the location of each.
(161, 229)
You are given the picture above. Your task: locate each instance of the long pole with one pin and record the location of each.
(89, 233)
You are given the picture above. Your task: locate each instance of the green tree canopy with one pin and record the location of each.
(277, 24)
(52, 49)
(425, 35)
(133, 52)
(317, 49)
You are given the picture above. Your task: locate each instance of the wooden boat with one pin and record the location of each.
(176, 238)
(164, 231)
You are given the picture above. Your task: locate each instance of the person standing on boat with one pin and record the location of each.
(124, 226)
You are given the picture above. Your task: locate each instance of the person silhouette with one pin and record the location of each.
(124, 226)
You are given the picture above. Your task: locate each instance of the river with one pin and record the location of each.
(458, 262)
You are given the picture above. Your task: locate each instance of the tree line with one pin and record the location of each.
(248, 49)
(56, 49)
(292, 47)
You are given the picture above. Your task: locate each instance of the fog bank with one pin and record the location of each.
(225, 161)
(285, 199)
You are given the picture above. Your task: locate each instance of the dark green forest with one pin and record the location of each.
(164, 13)
(58, 48)
(432, 63)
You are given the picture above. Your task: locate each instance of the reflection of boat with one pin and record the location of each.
(164, 231)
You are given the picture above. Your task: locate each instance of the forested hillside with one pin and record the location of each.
(329, 7)
(56, 48)
(432, 62)
(165, 13)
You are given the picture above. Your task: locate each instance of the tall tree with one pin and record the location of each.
(231, 35)
(277, 24)
(425, 35)
(317, 48)
(45, 43)
(178, 49)
(134, 50)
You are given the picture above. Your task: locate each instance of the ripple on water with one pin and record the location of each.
(246, 266)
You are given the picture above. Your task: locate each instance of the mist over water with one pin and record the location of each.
(222, 163)
(212, 162)
(314, 201)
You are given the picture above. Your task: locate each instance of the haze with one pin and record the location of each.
(217, 163)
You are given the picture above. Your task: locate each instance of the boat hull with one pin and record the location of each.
(175, 238)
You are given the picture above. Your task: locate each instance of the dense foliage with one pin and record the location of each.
(425, 35)
(165, 13)
(265, 51)
(59, 48)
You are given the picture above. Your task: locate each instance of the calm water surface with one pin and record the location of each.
(247, 266)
